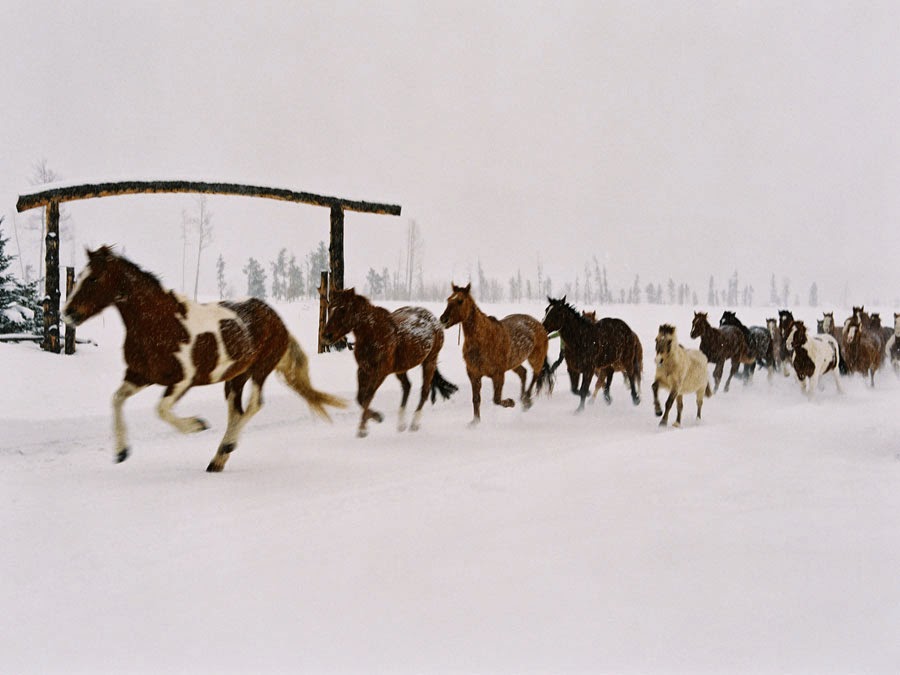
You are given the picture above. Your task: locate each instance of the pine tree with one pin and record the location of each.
(814, 295)
(294, 280)
(256, 279)
(220, 277)
(17, 300)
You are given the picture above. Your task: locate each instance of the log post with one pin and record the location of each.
(336, 247)
(70, 329)
(51, 281)
(323, 310)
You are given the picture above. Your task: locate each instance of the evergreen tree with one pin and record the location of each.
(294, 280)
(256, 279)
(220, 276)
(18, 301)
(774, 298)
(814, 295)
(375, 284)
(279, 275)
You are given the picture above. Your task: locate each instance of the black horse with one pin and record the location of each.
(759, 344)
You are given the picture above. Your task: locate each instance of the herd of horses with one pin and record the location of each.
(174, 342)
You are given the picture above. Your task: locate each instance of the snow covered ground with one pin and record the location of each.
(764, 539)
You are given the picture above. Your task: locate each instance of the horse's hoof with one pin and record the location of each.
(658, 413)
(526, 403)
(636, 400)
(361, 433)
(214, 467)
(402, 427)
(413, 427)
(122, 455)
(677, 425)
(663, 423)
(474, 423)
(378, 417)
(608, 399)
(508, 403)
(198, 424)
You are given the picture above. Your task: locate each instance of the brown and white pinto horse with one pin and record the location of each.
(813, 356)
(892, 348)
(492, 346)
(180, 344)
(388, 342)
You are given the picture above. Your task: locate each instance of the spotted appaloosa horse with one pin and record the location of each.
(180, 344)
(492, 346)
(388, 342)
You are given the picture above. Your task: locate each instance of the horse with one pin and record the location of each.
(605, 374)
(601, 347)
(719, 345)
(813, 356)
(681, 371)
(492, 346)
(830, 328)
(179, 344)
(778, 353)
(758, 342)
(892, 346)
(886, 332)
(862, 348)
(388, 343)
(785, 324)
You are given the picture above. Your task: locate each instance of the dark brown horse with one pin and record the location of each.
(785, 324)
(180, 344)
(386, 343)
(492, 346)
(603, 347)
(862, 349)
(720, 345)
(758, 341)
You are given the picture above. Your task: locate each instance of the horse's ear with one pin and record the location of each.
(468, 288)
(563, 300)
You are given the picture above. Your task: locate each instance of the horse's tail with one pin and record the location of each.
(546, 377)
(294, 367)
(441, 386)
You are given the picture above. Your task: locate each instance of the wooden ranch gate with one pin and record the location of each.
(52, 198)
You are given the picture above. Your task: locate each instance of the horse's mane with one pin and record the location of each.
(571, 308)
(131, 267)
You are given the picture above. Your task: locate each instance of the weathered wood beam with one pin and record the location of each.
(51, 281)
(92, 191)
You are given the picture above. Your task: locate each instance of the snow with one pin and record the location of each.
(764, 539)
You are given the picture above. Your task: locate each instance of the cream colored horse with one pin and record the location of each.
(681, 371)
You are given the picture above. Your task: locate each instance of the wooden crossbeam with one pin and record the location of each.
(94, 190)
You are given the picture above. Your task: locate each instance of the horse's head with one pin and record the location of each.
(98, 286)
(828, 321)
(851, 326)
(896, 323)
(875, 320)
(459, 305)
(700, 322)
(771, 326)
(590, 316)
(666, 339)
(728, 319)
(797, 336)
(555, 313)
(343, 309)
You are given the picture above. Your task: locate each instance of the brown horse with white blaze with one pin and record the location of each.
(388, 342)
(179, 344)
(493, 346)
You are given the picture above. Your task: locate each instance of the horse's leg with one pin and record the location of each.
(669, 401)
(524, 396)
(585, 389)
(657, 409)
(700, 395)
(475, 380)
(717, 374)
(606, 385)
(497, 380)
(428, 368)
(404, 383)
(680, 404)
(186, 425)
(574, 379)
(368, 383)
(735, 364)
(597, 387)
(635, 394)
(837, 380)
(125, 391)
(237, 418)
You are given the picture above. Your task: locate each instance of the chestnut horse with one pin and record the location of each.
(720, 345)
(388, 342)
(863, 349)
(492, 346)
(179, 344)
(601, 347)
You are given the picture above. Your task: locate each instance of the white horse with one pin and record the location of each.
(812, 356)
(681, 371)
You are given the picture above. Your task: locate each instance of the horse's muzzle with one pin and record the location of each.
(72, 317)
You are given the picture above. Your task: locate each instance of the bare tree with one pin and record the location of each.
(413, 256)
(42, 174)
(202, 224)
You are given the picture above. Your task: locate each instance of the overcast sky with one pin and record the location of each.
(674, 139)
